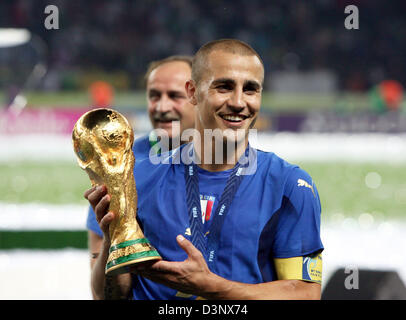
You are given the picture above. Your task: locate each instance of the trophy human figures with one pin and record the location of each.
(103, 140)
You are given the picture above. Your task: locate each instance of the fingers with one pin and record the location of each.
(105, 221)
(94, 194)
(100, 201)
(101, 208)
(89, 191)
(160, 272)
(165, 267)
(164, 272)
(188, 247)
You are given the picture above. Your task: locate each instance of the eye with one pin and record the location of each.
(153, 96)
(225, 87)
(177, 96)
(250, 90)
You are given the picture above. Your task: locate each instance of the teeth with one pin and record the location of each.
(166, 120)
(233, 118)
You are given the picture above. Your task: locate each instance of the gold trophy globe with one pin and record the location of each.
(103, 140)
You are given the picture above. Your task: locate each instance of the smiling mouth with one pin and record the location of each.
(235, 118)
(165, 120)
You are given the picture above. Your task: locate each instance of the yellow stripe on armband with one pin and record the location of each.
(307, 268)
(180, 294)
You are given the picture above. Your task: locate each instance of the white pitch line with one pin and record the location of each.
(45, 275)
(335, 147)
(42, 216)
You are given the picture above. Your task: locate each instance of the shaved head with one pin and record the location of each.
(234, 46)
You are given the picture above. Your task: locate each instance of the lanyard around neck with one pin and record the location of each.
(198, 239)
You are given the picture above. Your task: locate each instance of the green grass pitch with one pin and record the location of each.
(344, 188)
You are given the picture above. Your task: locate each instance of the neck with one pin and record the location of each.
(215, 155)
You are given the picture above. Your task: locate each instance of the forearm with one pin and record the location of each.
(108, 287)
(194, 277)
(98, 277)
(222, 289)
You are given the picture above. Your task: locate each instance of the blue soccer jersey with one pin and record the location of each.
(275, 214)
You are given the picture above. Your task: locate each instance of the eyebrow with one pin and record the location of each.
(155, 91)
(251, 83)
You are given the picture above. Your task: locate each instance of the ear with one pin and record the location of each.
(190, 87)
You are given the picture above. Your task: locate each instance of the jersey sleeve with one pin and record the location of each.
(298, 227)
(92, 224)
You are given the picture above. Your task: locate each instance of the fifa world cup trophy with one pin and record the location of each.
(102, 140)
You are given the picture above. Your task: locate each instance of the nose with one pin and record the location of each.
(236, 101)
(164, 104)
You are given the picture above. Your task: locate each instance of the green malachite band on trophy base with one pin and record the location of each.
(127, 244)
(131, 257)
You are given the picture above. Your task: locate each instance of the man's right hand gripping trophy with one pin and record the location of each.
(102, 140)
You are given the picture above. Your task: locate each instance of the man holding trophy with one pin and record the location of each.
(224, 227)
(168, 110)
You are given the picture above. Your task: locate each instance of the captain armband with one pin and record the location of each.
(306, 268)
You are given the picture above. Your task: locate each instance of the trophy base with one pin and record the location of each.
(126, 254)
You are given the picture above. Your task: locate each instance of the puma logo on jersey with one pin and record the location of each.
(302, 183)
(189, 233)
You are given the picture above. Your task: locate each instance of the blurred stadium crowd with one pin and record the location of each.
(120, 37)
